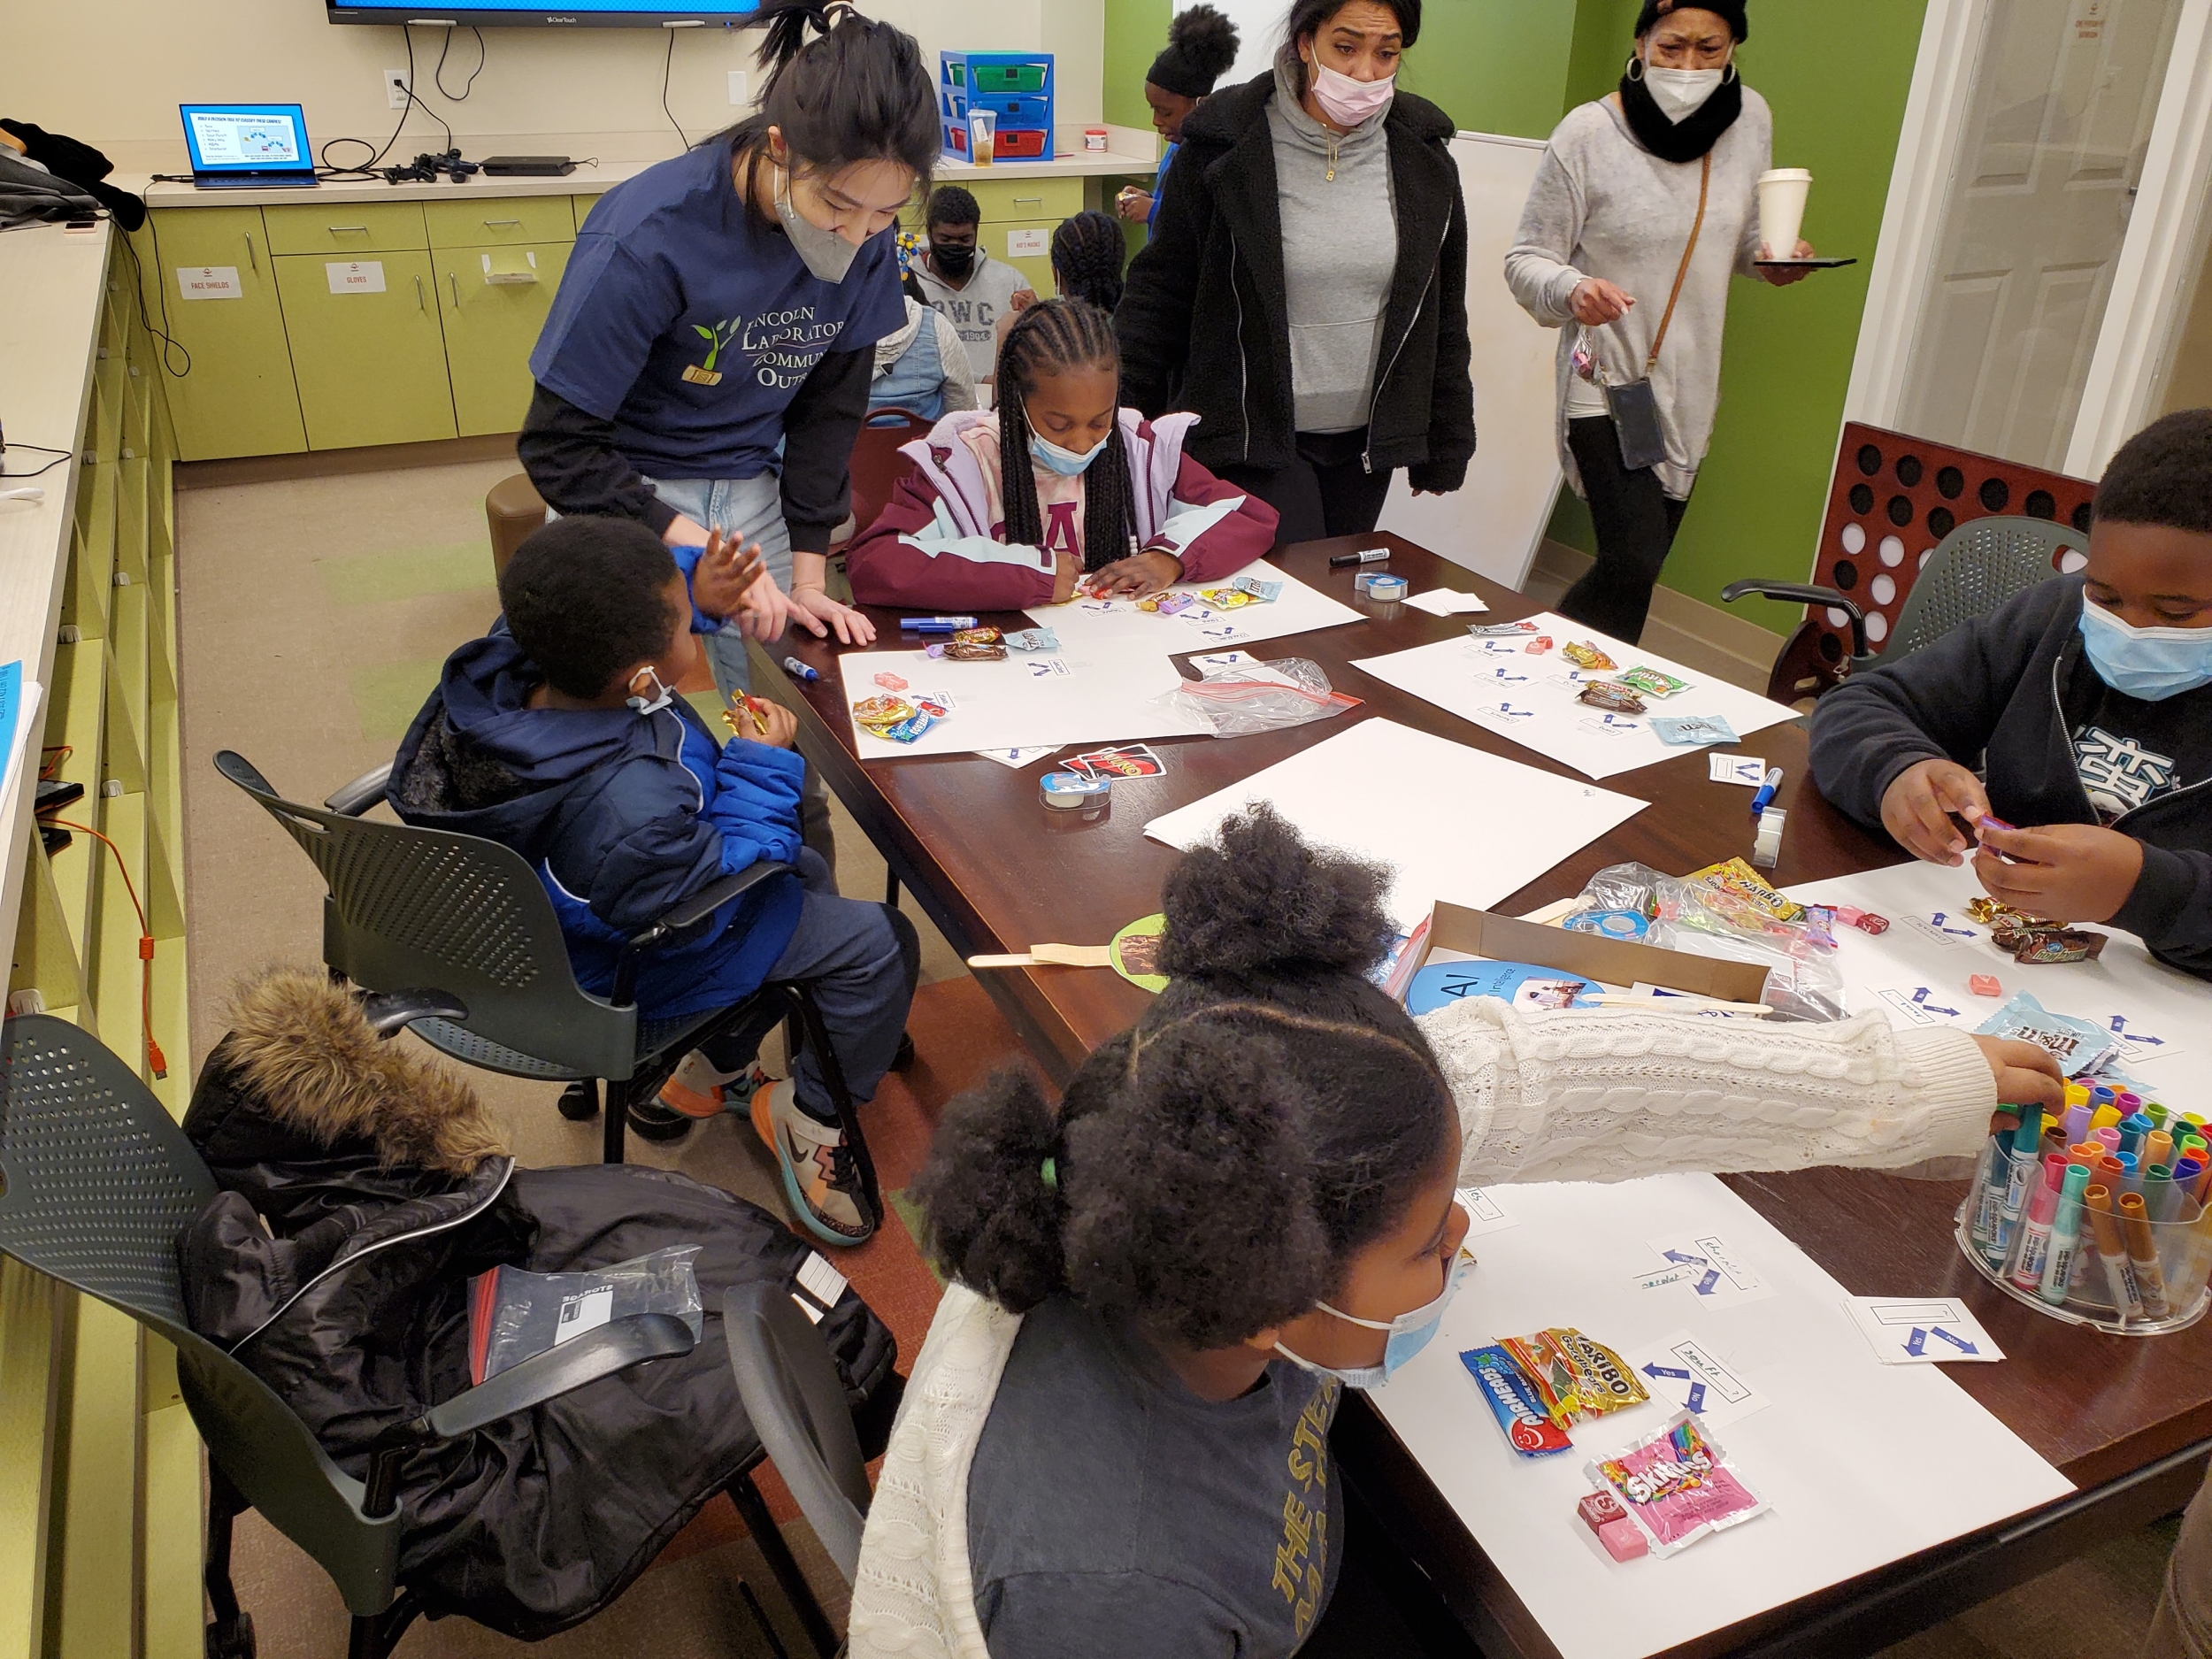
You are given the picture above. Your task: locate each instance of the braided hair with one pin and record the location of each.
(1087, 252)
(1049, 337)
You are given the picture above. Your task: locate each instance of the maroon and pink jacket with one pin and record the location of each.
(938, 544)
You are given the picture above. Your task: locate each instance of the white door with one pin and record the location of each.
(2030, 225)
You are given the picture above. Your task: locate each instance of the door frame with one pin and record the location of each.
(2159, 256)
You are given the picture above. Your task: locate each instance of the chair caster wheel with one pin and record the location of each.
(231, 1638)
(903, 1060)
(579, 1101)
(656, 1123)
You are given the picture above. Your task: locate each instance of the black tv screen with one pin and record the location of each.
(580, 14)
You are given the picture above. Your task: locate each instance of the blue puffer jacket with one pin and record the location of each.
(622, 815)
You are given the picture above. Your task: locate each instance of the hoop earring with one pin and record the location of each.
(1635, 67)
(1733, 76)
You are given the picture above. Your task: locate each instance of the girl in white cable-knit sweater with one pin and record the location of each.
(1115, 1439)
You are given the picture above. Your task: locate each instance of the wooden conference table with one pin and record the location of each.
(2128, 1421)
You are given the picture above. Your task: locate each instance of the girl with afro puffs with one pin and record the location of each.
(1115, 1442)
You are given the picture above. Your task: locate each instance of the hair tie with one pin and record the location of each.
(1050, 1171)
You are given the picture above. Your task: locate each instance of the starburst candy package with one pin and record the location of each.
(1676, 1485)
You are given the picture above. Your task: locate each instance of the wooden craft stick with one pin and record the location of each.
(1687, 1005)
(1051, 956)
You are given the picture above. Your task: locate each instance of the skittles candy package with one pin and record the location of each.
(1676, 1485)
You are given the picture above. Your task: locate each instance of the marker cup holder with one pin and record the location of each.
(2183, 1242)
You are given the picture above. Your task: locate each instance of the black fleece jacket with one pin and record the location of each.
(1991, 694)
(1204, 323)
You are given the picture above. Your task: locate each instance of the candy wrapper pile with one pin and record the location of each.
(1539, 1387)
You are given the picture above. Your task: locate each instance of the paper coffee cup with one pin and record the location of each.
(1782, 193)
(982, 135)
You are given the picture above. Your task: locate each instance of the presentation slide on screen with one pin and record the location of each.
(265, 138)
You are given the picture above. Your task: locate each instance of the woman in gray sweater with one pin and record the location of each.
(1623, 185)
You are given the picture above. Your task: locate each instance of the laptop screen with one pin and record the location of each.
(247, 138)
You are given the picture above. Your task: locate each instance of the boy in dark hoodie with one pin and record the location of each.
(2085, 704)
(558, 734)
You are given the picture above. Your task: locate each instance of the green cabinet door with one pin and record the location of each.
(367, 350)
(238, 396)
(493, 301)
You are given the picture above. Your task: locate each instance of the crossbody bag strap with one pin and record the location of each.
(1704, 190)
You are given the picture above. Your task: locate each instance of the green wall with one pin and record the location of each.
(1136, 31)
(1494, 65)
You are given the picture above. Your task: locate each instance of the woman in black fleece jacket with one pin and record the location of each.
(2086, 704)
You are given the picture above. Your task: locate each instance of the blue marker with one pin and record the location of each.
(935, 624)
(798, 670)
(1764, 797)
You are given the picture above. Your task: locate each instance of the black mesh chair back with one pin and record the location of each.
(415, 908)
(99, 1183)
(1976, 569)
(789, 1385)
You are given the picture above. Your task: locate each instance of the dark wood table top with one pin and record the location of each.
(998, 871)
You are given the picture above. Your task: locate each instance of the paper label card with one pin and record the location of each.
(209, 283)
(1921, 1005)
(1684, 1372)
(355, 276)
(1706, 1269)
(2151, 1041)
(1920, 1330)
(1026, 244)
(1947, 928)
(1015, 758)
(1747, 769)
(585, 1311)
(1484, 1214)
(1446, 602)
(1213, 664)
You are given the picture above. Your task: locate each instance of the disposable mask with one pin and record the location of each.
(2153, 664)
(826, 254)
(1052, 458)
(645, 704)
(1348, 102)
(1410, 1334)
(953, 259)
(1682, 93)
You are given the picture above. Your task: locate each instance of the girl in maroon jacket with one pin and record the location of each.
(1060, 488)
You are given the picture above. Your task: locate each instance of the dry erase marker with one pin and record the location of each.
(1999, 1185)
(2158, 1147)
(2058, 1266)
(1372, 556)
(2133, 1130)
(2035, 1240)
(2112, 1252)
(1764, 798)
(2023, 1164)
(935, 625)
(2150, 1279)
(798, 670)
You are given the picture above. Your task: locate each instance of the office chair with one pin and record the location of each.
(456, 939)
(96, 1183)
(1974, 570)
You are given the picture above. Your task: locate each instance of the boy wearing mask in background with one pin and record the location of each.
(957, 279)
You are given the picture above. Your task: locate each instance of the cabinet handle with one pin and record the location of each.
(341, 230)
(418, 304)
(492, 224)
(250, 259)
(453, 282)
(1038, 200)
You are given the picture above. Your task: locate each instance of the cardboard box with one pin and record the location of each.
(1586, 956)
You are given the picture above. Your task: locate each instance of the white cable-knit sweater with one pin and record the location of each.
(1596, 1095)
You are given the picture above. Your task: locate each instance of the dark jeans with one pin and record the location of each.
(1324, 492)
(1636, 523)
(861, 960)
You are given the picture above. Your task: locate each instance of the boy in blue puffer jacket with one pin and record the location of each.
(558, 734)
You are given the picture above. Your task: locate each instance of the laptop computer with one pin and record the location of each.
(234, 146)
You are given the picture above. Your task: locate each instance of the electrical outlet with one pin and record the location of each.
(737, 88)
(396, 88)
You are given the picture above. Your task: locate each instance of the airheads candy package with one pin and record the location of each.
(1524, 985)
(1676, 1485)
(1527, 1426)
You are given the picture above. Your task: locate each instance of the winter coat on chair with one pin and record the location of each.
(384, 1187)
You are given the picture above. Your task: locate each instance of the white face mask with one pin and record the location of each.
(1682, 93)
(826, 254)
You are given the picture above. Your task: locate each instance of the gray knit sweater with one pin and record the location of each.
(1602, 205)
(1339, 252)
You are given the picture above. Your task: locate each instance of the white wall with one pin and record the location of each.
(113, 72)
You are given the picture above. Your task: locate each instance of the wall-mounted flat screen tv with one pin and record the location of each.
(579, 14)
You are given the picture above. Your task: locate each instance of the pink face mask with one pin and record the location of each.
(1348, 102)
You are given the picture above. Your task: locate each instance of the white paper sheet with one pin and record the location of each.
(1862, 1462)
(1452, 822)
(1890, 970)
(1448, 602)
(1097, 693)
(1500, 688)
(1299, 609)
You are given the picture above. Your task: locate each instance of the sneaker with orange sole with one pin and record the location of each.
(821, 1177)
(697, 1090)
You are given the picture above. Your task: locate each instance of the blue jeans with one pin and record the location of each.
(861, 960)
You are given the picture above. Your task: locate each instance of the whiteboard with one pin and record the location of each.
(1492, 525)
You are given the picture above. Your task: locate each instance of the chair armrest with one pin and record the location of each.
(391, 1012)
(362, 794)
(1804, 593)
(614, 1347)
(686, 912)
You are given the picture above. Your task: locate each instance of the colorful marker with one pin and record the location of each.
(798, 670)
(1764, 797)
(2150, 1278)
(935, 625)
(2058, 1268)
(2022, 1160)
(2035, 1240)
(2112, 1251)
(1998, 1178)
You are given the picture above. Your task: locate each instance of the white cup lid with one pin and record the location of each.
(1786, 175)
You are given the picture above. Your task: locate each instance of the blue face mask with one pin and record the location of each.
(1051, 457)
(2153, 664)
(1410, 1334)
